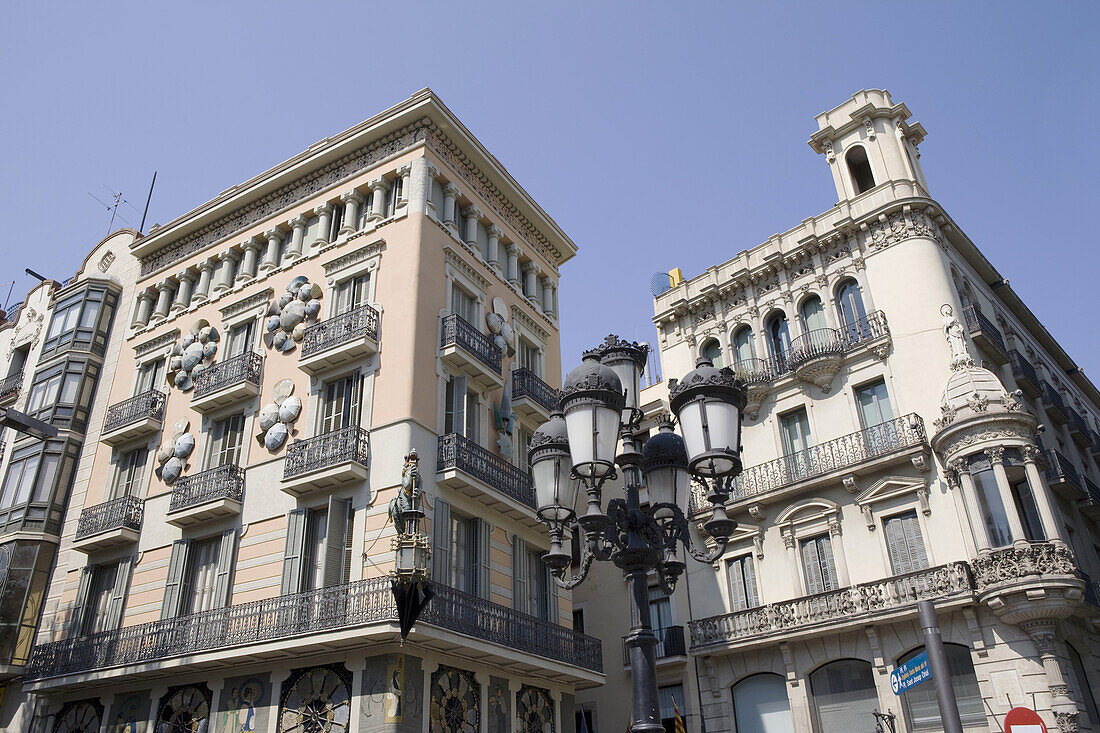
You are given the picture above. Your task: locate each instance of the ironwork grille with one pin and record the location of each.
(869, 328)
(812, 344)
(329, 449)
(458, 452)
(1052, 399)
(670, 643)
(355, 324)
(976, 322)
(125, 511)
(246, 367)
(145, 405)
(457, 331)
(1022, 368)
(1059, 469)
(525, 383)
(223, 482)
(9, 386)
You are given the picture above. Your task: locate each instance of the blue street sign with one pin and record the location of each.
(910, 674)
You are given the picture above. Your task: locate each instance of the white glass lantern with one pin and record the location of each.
(665, 466)
(551, 465)
(592, 401)
(627, 360)
(708, 403)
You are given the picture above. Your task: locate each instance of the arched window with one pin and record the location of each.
(844, 695)
(712, 350)
(919, 702)
(849, 305)
(859, 168)
(743, 350)
(813, 315)
(760, 705)
(779, 335)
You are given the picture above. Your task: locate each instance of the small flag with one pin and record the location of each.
(679, 723)
(583, 728)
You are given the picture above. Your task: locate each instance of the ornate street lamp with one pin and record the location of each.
(600, 407)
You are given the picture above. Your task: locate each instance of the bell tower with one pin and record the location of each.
(868, 141)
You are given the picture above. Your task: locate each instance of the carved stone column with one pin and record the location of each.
(973, 507)
(144, 308)
(530, 276)
(274, 245)
(251, 256)
(1052, 528)
(1004, 489)
(450, 196)
(224, 279)
(493, 255)
(547, 296)
(405, 174)
(352, 199)
(513, 265)
(1061, 704)
(843, 579)
(297, 238)
(554, 300)
(324, 218)
(378, 199)
(792, 554)
(202, 290)
(186, 281)
(472, 215)
(164, 300)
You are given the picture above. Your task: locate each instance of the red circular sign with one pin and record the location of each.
(1024, 720)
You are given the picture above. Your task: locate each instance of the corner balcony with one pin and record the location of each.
(816, 356)
(228, 382)
(1052, 401)
(757, 374)
(465, 466)
(1063, 477)
(111, 524)
(1089, 504)
(203, 497)
(138, 417)
(468, 351)
(9, 388)
(326, 461)
(838, 610)
(533, 398)
(341, 339)
(900, 440)
(341, 617)
(671, 647)
(1036, 581)
(870, 332)
(986, 336)
(1079, 429)
(1027, 379)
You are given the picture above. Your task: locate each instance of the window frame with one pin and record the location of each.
(79, 335)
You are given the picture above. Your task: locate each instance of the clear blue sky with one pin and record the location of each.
(657, 135)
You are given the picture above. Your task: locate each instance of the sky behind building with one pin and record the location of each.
(657, 136)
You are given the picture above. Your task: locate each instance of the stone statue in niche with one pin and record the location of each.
(956, 338)
(289, 314)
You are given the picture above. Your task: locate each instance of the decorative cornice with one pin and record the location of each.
(256, 299)
(156, 343)
(354, 257)
(457, 262)
(529, 323)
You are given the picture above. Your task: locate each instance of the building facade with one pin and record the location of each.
(912, 431)
(292, 349)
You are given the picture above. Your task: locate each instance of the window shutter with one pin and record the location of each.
(87, 573)
(227, 551)
(811, 565)
(751, 599)
(916, 542)
(828, 567)
(458, 408)
(336, 540)
(551, 593)
(173, 587)
(292, 555)
(895, 546)
(519, 574)
(118, 593)
(441, 538)
(738, 600)
(484, 547)
(356, 388)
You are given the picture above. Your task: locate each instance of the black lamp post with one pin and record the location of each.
(599, 408)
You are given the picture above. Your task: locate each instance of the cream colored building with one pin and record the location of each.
(913, 431)
(224, 563)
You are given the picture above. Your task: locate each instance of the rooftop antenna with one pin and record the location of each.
(141, 229)
(118, 200)
(11, 287)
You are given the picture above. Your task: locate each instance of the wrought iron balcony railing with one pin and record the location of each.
(1078, 428)
(818, 342)
(327, 450)
(222, 482)
(754, 371)
(670, 643)
(525, 383)
(246, 367)
(843, 605)
(1061, 471)
(976, 322)
(338, 330)
(1090, 502)
(145, 405)
(1023, 371)
(458, 452)
(336, 607)
(814, 344)
(456, 331)
(125, 511)
(871, 327)
(9, 387)
(1056, 407)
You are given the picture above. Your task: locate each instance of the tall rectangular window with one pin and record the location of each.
(240, 339)
(742, 579)
(352, 293)
(131, 469)
(150, 376)
(202, 575)
(795, 430)
(228, 435)
(671, 699)
(336, 222)
(989, 500)
(538, 596)
(905, 543)
(818, 566)
(462, 409)
(464, 304)
(523, 444)
(341, 403)
(1027, 510)
(530, 358)
(99, 599)
(313, 560)
(463, 553)
(874, 404)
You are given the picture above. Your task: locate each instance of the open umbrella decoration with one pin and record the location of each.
(288, 315)
(276, 417)
(173, 453)
(193, 353)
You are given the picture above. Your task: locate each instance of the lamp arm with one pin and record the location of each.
(667, 585)
(704, 557)
(587, 556)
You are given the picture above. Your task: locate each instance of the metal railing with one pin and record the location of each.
(835, 606)
(1060, 470)
(125, 511)
(458, 452)
(1010, 564)
(525, 383)
(977, 322)
(142, 406)
(246, 367)
(670, 643)
(754, 370)
(9, 386)
(345, 606)
(348, 444)
(456, 331)
(869, 328)
(1077, 423)
(222, 482)
(814, 344)
(1092, 491)
(1022, 368)
(355, 324)
(1052, 399)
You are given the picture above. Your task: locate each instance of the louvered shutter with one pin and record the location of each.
(173, 587)
(227, 551)
(811, 565)
(738, 601)
(751, 596)
(292, 555)
(356, 387)
(336, 540)
(458, 406)
(87, 573)
(484, 547)
(441, 539)
(900, 561)
(519, 574)
(828, 567)
(915, 540)
(118, 593)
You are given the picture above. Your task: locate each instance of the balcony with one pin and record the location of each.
(1052, 401)
(342, 339)
(315, 621)
(1079, 429)
(1094, 447)
(670, 645)
(464, 465)
(533, 398)
(1090, 503)
(1063, 477)
(894, 441)
(816, 356)
(326, 461)
(1026, 377)
(467, 350)
(1024, 583)
(202, 497)
(986, 336)
(111, 524)
(9, 388)
(137, 417)
(228, 382)
(851, 607)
